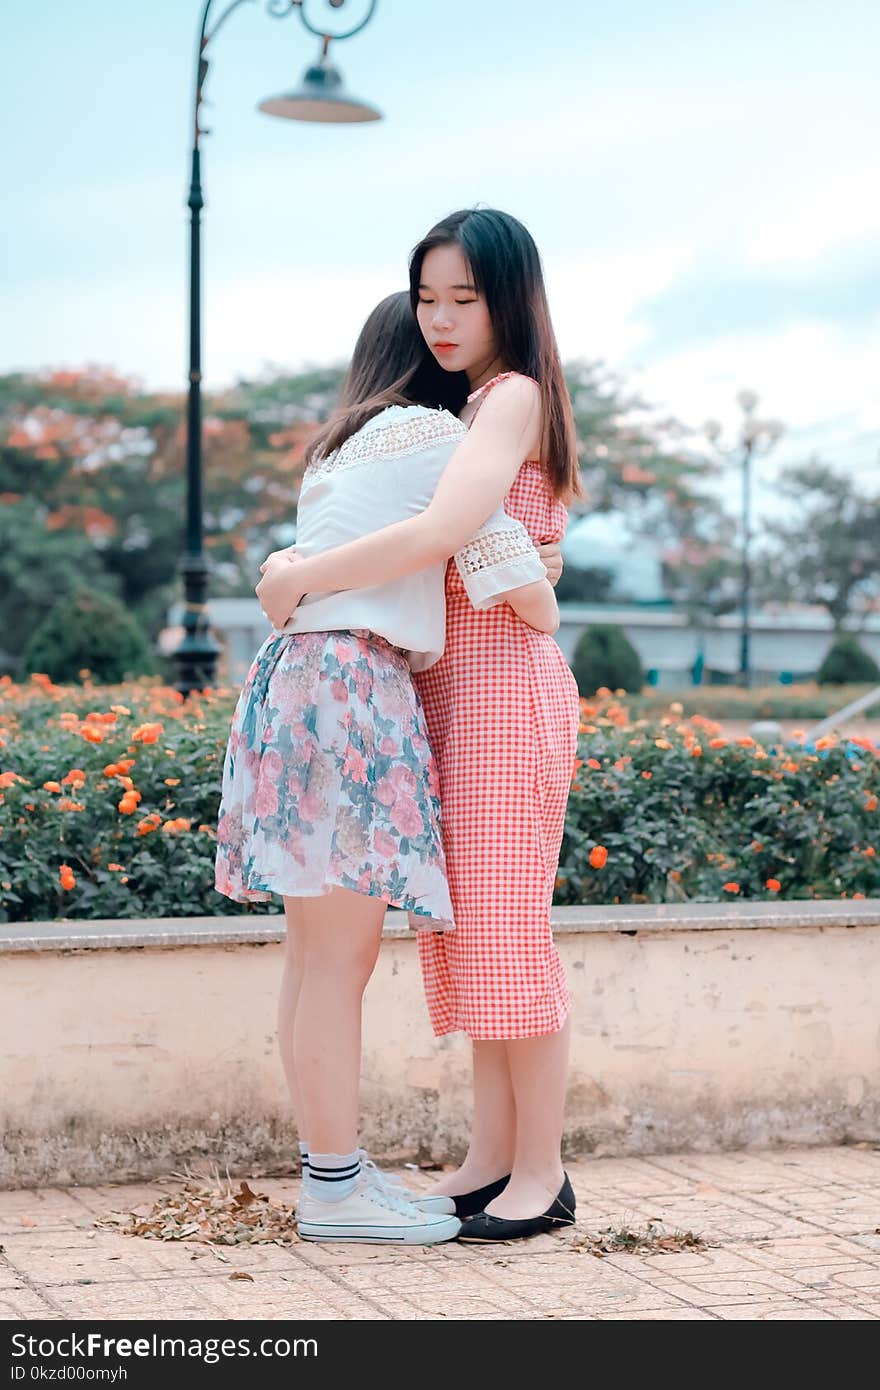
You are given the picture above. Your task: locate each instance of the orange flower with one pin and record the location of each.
(598, 856)
(858, 895)
(175, 781)
(587, 729)
(207, 830)
(731, 887)
(746, 741)
(717, 742)
(149, 823)
(64, 803)
(67, 877)
(827, 741)
(51, 786)
(120, 709)
(592, 762)
(662, 743)
(116, 868)
(147, 733)
(129, 803)
(871, 802)
(696, 751)
(647, 776)
(773, 884)
(74, 778)
(111, 770)
(125, 764)
(91, 734)
(174, 827)
(789, 766)
(9, 779)
(870, 852)
(578, 762)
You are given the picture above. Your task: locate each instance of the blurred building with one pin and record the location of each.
(786, 646)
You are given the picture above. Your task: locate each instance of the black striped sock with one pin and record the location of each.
(330, 1177)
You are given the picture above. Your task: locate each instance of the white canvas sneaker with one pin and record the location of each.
(445, 1206)
(372, 1214)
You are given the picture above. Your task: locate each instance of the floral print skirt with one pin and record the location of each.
(329, 780)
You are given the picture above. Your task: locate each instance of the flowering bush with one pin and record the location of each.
(109, 798)
(681, 812)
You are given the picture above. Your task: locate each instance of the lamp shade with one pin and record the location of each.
(320, 96)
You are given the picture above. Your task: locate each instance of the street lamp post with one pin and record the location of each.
(321, 96)
(757, 437)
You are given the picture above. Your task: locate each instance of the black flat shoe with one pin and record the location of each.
(469, 1203)
(484, 1227)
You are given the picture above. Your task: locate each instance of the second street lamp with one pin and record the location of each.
(756, 437)
(321, 96)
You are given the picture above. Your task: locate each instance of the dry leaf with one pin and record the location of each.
(241, 1274)
(209, 1211)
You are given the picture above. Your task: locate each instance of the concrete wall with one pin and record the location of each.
(126, 1052)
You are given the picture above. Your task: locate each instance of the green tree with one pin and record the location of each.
(826, 552)
(36, 569)
(635, 460)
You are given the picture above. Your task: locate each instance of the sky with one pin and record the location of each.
(700, 177)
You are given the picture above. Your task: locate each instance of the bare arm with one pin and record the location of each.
(475, 482)
(536, 605)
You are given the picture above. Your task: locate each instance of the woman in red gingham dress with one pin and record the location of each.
(502, 714)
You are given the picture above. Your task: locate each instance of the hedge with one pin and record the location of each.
(109, 798)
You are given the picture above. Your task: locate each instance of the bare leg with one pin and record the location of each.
(287, 1000)
(341, 934)
(493, 1134)
(538, 1071)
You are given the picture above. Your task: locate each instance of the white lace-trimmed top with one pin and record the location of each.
(386, 472)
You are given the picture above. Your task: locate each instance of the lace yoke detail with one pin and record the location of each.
(496, 543)
(397, 439)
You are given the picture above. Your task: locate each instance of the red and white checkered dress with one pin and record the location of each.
(502, 713)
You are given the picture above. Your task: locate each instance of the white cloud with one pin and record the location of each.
(812, 219)
(595, 299)
(805, 373)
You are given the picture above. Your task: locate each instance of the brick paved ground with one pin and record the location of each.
(797, 1232)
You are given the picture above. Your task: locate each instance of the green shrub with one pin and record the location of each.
(604, 656)
(847, 661)
(89, 631)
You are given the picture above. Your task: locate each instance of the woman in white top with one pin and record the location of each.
(330, 793)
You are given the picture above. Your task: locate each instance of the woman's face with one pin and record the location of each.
(454, 319)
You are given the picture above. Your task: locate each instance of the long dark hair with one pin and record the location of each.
(506, 270)
(391, 365)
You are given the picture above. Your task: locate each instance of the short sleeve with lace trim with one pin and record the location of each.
(500, 557)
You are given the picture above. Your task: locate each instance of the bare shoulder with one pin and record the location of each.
(515, 401)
